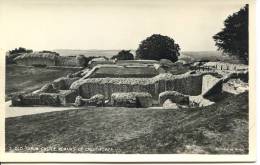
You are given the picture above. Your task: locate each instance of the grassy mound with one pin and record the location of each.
(217, 129)
(21, 79)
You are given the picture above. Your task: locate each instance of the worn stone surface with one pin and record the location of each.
(226, 66)
(79, 101)
(235, 86)
(17, 100)
(76, 74)
(69, 61)
(208, 81)
(36, 58)
(49, 59)
(144, 99)
(123, 100)
(185, 83)
(132, 99)
(214, 90)
(199, 101)
(96, 100)
(174, 96)
(31, 99)
(51, 99)
(67, 96)
(169, 104)
(243, 75)
(64, 83)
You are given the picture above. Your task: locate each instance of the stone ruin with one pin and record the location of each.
(49, 59)
(195, 88)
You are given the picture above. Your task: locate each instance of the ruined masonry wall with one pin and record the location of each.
(208, 81)
(36, 61)
(67, 61)
(190, 85)
(226, 66)
(59, 61)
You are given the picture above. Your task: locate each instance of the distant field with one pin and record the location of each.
(207, 55)
(217, 129)
(21, 79)
(70, 52)
(187, 55)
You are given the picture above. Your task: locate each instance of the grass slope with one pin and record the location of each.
(220, 128)
(21, 79)
(125, 72)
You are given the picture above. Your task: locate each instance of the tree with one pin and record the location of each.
(233, 39)
(124, 55)
(20, 50)
(158, 47)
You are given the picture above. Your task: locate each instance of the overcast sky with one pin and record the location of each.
(110, 24)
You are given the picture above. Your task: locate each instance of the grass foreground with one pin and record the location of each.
(218, 129)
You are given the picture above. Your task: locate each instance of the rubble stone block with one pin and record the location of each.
(174, 96)
(144, 99)
(235, 86)
(199, 101)
(169, 104)
(31, 99)
(132, 99)
(96, 100)
(123, 100)
(67, 96)
(51, 99)
(17, 100)
(78, 101)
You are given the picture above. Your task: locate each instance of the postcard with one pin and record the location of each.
(127, 81)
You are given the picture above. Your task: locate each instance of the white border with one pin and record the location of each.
(65, 157)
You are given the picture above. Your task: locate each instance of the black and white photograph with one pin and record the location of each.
(122, 78)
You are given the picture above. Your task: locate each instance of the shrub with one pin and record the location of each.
(124, 55)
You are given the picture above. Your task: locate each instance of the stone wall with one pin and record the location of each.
(208, 81)
(225, 66)
(189, 84)
(67, 61)
(63, 97)
(48, 60)
(63, 83)
(35, 61)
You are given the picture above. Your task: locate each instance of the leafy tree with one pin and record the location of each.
(20, 50)
(233, 39)
(158, 47)
(124, 55)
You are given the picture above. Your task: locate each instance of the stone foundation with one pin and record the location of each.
(190, 84)
(131, 99)
(174, 97)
